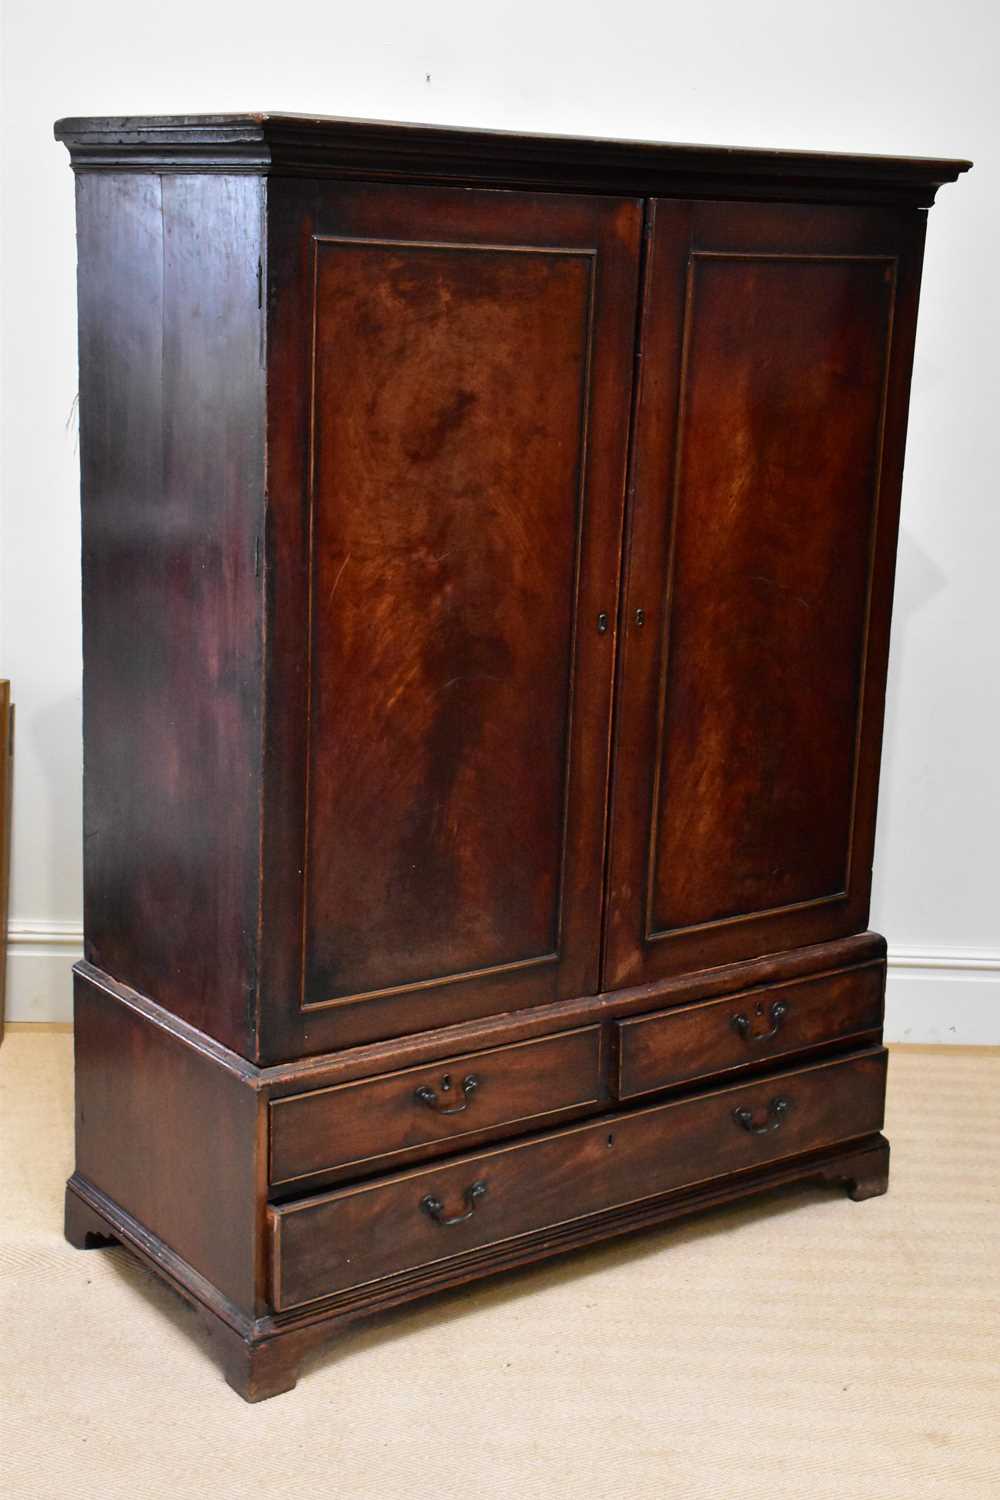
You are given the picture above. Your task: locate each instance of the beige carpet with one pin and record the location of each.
(801, 1346)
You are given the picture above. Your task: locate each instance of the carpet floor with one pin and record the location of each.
(798, 1346)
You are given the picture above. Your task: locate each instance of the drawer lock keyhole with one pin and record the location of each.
(441, 1106)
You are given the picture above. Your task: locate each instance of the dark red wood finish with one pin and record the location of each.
(380, 1124)
(777, 344)
(388, 151)
(448, 417)
(328, 1244)
(261, 1357)
(172, 459)
(475, 729)
(173, 1136)
(670, 1047)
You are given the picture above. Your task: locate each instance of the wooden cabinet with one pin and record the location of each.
(488, 546)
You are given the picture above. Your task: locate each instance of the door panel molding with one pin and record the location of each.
(588, 256)
(689, 238)
(889, 264)
(344, 987)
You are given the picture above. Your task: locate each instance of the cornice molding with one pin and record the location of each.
(301, 145)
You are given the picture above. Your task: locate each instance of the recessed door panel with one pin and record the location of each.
(762, 546)
(466, 448)
(446, 495)
(778, 451)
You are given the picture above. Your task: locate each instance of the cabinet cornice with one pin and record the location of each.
(304, 145)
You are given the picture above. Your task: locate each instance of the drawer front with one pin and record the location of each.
(331, 1243)
(695, 1041)
(417, 1110)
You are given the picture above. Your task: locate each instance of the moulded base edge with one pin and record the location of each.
(261, 1357)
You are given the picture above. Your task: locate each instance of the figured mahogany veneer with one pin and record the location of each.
(377, 1123)
(326, 1245)
(671, 1047)
(488, 546)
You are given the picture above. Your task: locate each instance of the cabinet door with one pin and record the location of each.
(776, 351)
(449, 389)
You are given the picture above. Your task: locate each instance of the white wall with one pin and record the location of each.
(897, 76)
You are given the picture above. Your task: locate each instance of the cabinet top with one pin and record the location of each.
(309, 145)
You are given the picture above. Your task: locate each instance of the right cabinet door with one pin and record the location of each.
(777, 343)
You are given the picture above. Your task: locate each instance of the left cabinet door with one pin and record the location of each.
(449, 375)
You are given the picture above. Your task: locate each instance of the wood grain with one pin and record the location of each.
(447, 511)
(326, 1245)
(381, 1124)
(171, 448)
(446, 495)
(777, 347)
(173, 1138)
(488, 549)
(314, 146)
(671, 1047)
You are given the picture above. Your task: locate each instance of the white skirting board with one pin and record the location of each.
(933, 994)
(40, 957)
(943, 995)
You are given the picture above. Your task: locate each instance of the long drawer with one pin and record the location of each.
(678, 1046)
(418, 1112)
(331, 1243)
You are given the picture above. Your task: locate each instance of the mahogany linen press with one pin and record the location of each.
(488, 548)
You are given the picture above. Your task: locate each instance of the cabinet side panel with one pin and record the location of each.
(170, 1135)
(171, 437)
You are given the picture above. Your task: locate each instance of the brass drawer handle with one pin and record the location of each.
(774, 1119)
(426, 1095)
(435, 1208)
(742, 1023)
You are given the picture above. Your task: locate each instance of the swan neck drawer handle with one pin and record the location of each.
(777, 1112)
(742, 1024)
(435, 1208)
(426, 1095)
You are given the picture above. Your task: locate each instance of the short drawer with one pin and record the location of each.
(418, 1109)
(696, 1041)
(331, 1243)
